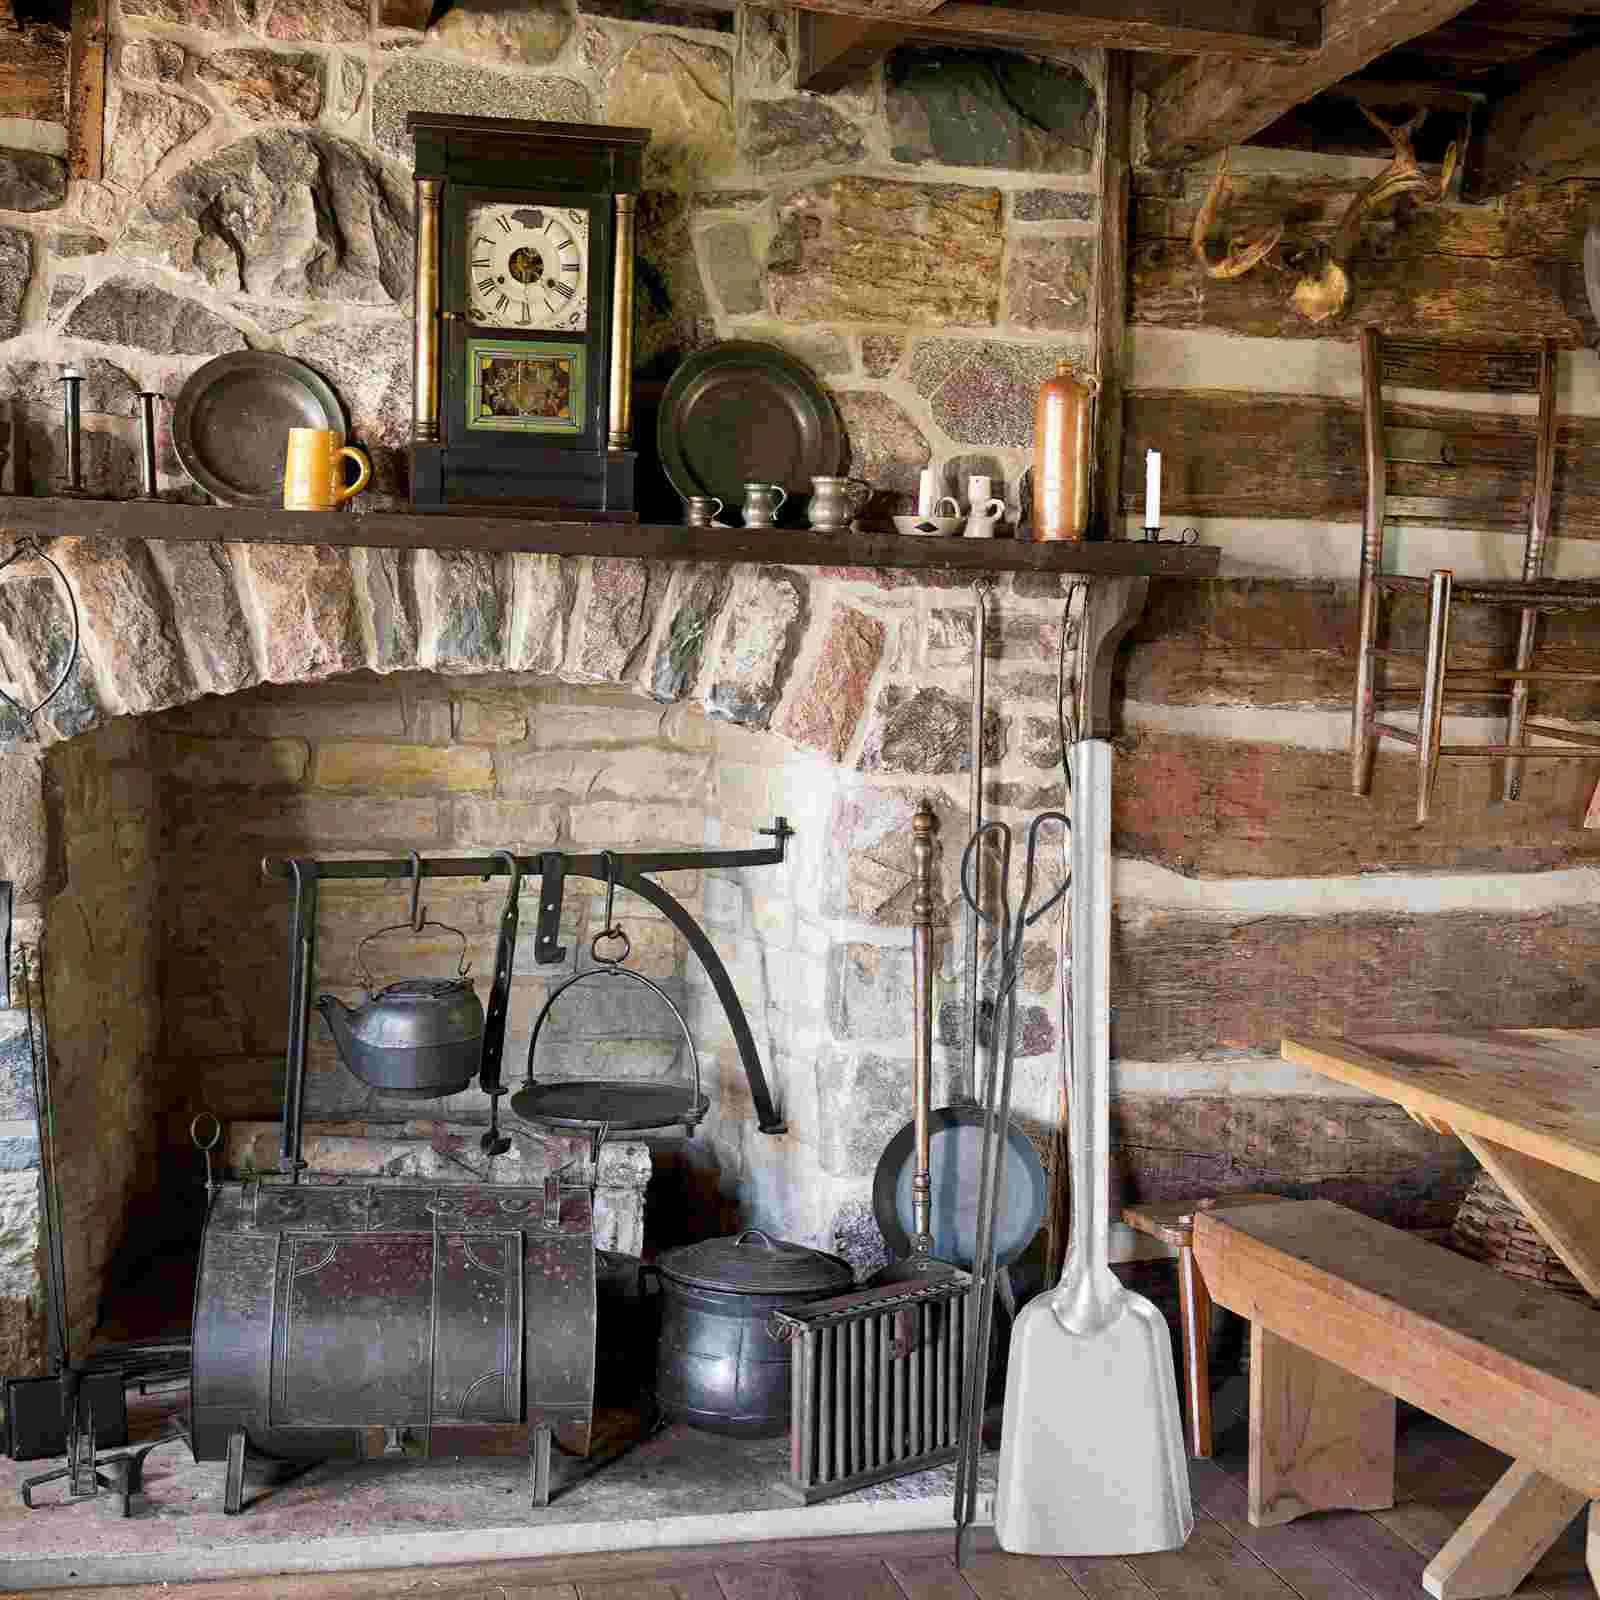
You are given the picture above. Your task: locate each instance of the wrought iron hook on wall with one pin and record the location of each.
(26, 545)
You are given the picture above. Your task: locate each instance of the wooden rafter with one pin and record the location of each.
(1209, 104)
(1546, 129)
(1254, 30)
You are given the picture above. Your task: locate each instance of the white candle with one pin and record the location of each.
(927, 491)
(1152, 488)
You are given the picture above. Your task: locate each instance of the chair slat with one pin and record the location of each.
(1426, 364)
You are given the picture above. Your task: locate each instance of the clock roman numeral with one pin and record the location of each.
(565, 290)
(569, 266)
(483, 261)
(485, 285)
(501, 302)
(526, 312)
(505, 223)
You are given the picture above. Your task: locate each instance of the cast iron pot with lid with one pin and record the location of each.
(717, 1366)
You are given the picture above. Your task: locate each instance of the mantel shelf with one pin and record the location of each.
(400, 530)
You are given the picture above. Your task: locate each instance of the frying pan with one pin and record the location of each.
(955, 1159)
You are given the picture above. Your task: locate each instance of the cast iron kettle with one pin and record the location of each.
(717, 1366)
(415, 1039)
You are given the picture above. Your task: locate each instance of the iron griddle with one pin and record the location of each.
(583, 1105)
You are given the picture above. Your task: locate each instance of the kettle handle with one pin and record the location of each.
(462, 966)
(756, 1233)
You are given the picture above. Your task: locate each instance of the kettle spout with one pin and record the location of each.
(337, 1015)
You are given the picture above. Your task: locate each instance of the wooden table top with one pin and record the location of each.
(1534, 1090)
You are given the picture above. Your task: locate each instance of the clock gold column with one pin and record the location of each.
(620, 410)
(425, 354)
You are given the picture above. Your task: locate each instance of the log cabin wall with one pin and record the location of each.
(1256, 893)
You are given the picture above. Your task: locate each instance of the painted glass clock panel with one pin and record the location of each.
(527, 266)
(518, 385)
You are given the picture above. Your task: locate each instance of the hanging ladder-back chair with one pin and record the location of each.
(1443, 458)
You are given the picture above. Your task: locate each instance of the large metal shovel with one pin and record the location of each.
(1091, 1453)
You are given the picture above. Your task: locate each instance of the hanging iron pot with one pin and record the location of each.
(418, 1038)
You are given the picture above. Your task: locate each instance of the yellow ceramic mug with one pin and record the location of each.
(311, 474)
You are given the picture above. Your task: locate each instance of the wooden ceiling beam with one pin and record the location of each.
(1209, 104)
(834, 49)
(1546, 129)
(1252, 30)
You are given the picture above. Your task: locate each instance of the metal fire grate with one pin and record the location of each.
(876, 1384)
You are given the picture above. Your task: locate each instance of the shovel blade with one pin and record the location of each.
(1092, 1460)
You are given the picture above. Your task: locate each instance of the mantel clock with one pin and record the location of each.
(523, 364)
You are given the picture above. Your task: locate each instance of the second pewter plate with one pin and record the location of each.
(742, 412)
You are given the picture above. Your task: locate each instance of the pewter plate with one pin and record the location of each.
(743, 412)
(231, 424)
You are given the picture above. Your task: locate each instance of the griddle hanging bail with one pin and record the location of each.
(601, 1106)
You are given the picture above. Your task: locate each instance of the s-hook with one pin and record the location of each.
(28, 713)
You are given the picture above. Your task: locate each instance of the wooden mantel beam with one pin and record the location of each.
(1213, 102)
(1254, 30)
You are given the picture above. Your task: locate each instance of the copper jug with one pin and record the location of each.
(1062, 442)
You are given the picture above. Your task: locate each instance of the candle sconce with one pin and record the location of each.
(1187, 536)
(71, 405)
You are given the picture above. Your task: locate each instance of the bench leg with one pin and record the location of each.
(1195, 1305)
(1321, 1438)
(1501, 1541)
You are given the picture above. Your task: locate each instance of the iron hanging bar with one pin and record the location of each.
(627, 870)
(28, 713)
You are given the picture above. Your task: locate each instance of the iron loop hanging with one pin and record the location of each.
(28, 713)
(610, 932)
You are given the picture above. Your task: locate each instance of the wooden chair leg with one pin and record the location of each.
(1363, 715)
(1502, 1539)
(1195, 1319)
(1430, 722)
(1321, 1438)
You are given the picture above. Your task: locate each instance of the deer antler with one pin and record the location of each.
(1325, 295)
(1245, 251)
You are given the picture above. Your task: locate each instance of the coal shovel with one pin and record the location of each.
(1091, 1453)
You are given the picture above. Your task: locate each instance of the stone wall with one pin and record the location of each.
(923, 238)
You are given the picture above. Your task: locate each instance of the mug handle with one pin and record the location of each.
(782, 494)
(991, 510)
(717, 503)
(351, 490)
(942, 502)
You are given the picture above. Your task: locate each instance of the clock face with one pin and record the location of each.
(527, 266)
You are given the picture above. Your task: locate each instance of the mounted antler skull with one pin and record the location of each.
(1319, 296)
(1326, 295)
(1245, 251)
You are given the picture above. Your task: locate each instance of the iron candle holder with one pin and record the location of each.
(72, 415)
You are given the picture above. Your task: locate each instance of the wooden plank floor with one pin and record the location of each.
(1331, 1556)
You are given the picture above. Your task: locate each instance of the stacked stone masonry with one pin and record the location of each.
(257, 194)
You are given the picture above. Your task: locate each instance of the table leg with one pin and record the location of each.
(1501, 1541)
(1563, 1206)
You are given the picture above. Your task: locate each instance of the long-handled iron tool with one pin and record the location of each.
(1091, 1455)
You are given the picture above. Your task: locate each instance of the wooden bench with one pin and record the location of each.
(1345, 1315)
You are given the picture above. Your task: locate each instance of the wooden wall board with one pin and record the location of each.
(1491, 275)
(1364, 1154)
(1230, 808)
(33, 73)
(1227, 453)
(1186, 985)
(1275, 643)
